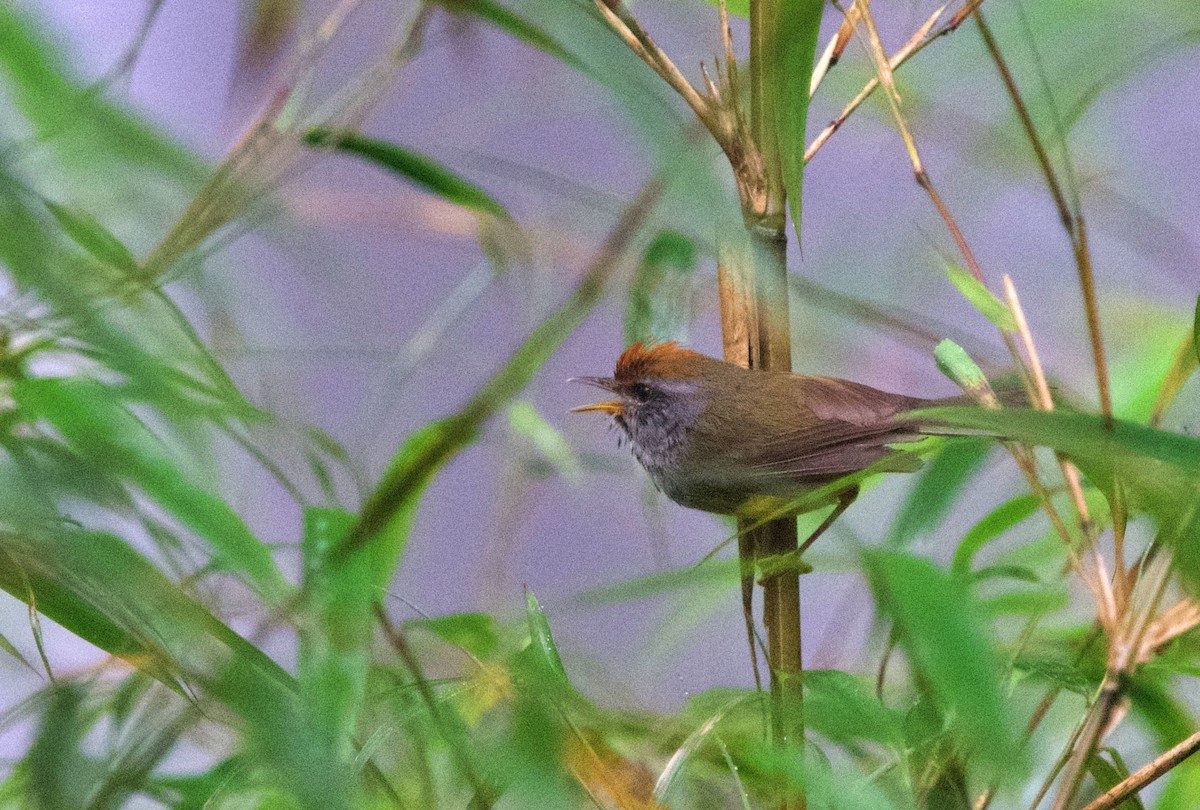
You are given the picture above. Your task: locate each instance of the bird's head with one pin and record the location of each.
(658, 393)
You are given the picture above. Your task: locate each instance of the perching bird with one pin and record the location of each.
(721, 438)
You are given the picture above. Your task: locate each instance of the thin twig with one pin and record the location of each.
(635, 37)
(1126, 649)
(483, 792)
(915, 45)
(1072, 221)
(1146, 774)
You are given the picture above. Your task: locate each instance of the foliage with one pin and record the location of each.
(1016, 620)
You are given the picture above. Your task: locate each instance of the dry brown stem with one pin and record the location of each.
(1146, 774)
(915, 44)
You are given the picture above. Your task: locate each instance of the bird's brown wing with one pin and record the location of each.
(842, 427)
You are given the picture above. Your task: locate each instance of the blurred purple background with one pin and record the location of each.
(321, 300)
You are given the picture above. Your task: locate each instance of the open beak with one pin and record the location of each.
(612, 407)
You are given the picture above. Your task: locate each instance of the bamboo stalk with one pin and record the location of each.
(756, 323)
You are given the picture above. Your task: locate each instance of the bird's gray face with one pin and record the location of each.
(653, 414)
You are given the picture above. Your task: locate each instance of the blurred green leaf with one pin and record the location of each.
(474, 632)
(78, 121)
(655, 311)
(97, 426)
(196, 791)
(1160, 707)
(93, 237)
(940, 629)
(1054, 671)
(722, 571)
(99, 588)
(1196, 330)
(1183, 786)
(525, 421)
(1159, 471)
(421, 170)
(994, 524)
(843, 707)
(1020, 573)
(953, 361)
(739, 8)
(279, 736)
(694, 741)
(1182, 367)
(938, 488)
(335, 642)
(1025, 602)
(512, 24)
(12, 650)
(981, 298)
(542, 641)
(1109, 774)
(796, 25)
(61, 776)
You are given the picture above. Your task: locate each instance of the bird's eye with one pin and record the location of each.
(641, 392)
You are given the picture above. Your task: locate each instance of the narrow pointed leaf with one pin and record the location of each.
(941, 630)
(93, 237)
(988, 305)
(994, 524)
(512, 24)
(937, 489)
(798, 24)
(97, 426)
(413, 166)
(542, 640)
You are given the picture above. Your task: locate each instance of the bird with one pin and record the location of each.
(724, 439)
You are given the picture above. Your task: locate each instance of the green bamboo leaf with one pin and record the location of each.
(1184, 364)
(1025, 602)
(937, 489)
(1055, 672)
(1196, 330)
(335, 641)
(512, 24)
(738, 8)
(656, 304)
(548, 441)
(89, 234)
(416, 462)
(476, 633)
(279, 736)
(67, 114)
(1158, 471)
(941, 631)
(1183, 786)
(720, 571)
(693, 743)
(953, 361)
(220, 783)
(413, 166)
(69, 576)
(97, 426)
(796, 24)
(542, 641)
(1021, 573)
(1109, 774)
(12, 650)
(843, 707)
(994, 524)
(981, 298)
(60, 774)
